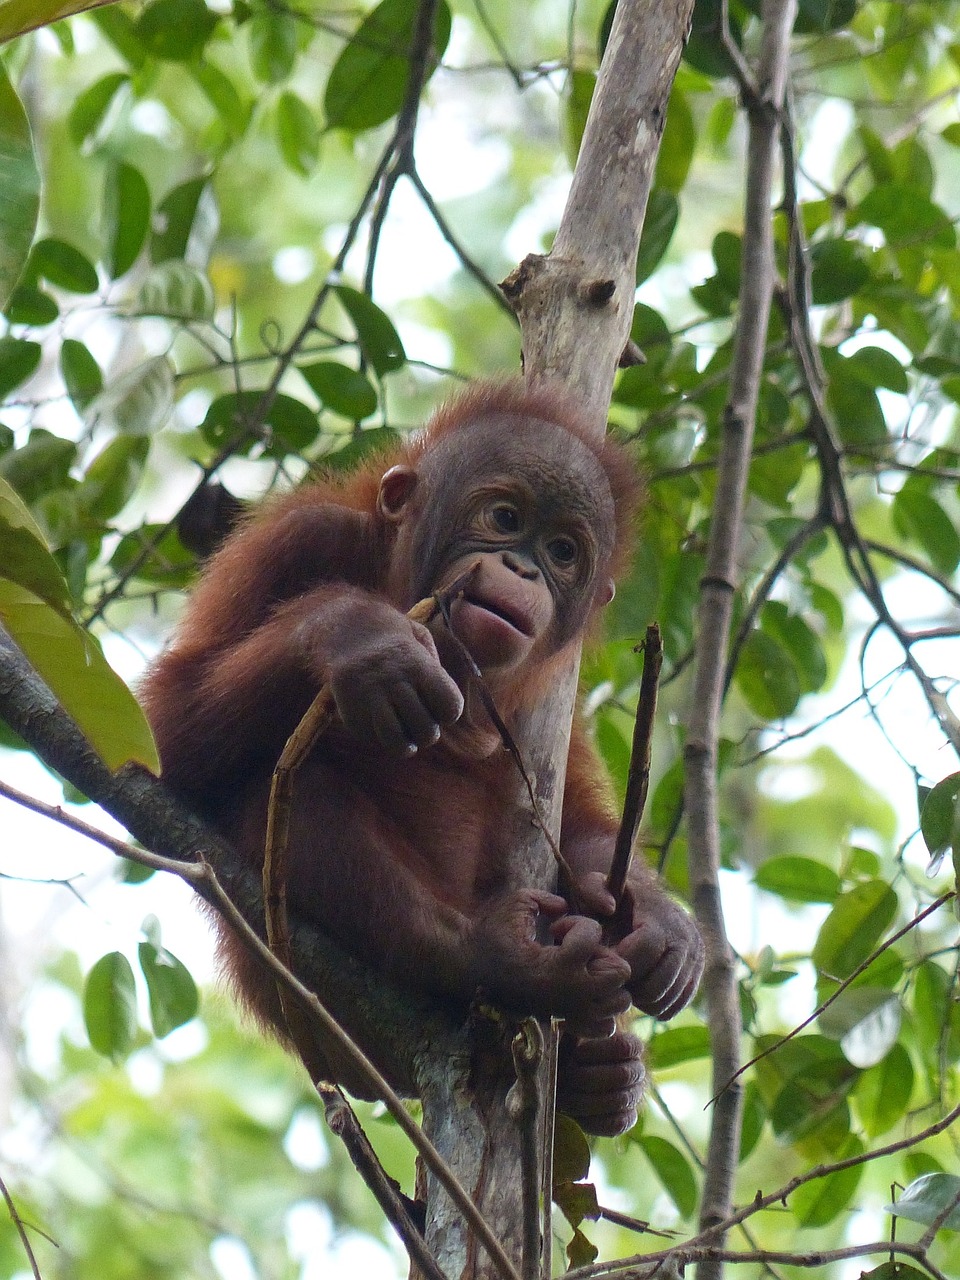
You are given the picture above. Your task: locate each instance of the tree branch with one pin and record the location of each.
(758, 277)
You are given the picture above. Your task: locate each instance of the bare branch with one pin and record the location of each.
(758, 278)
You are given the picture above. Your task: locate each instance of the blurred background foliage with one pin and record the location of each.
(238, 246)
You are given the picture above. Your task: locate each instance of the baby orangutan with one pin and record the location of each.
(399, 838)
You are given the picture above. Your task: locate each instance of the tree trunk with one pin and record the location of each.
(575, 308)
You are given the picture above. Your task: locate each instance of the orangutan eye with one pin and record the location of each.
(563, 551)
(505, 518)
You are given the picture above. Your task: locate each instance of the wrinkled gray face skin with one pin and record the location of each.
(522, 490)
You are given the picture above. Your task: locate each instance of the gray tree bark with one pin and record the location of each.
(575, 307)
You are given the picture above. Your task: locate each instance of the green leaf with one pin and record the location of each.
(878, 367)
(894, 1271)
(71, 663)
(126, 204)
(24, 556)
(175, 30)
(754, 1115)
(81, 373)
(922, 519)
(906, 215)
(882, 1094)
(18, 360)
(581, 1251)
(856, 408)
(673, 1170)
(820, 16)
(361, 445)
(820, 1201)
(118, 27)
(234, 111)
(346, 391)
(110, 1006)
(802, 644)
(798, 879)
(176, 214)
(378, 339)
(111, 479)
(812, 1100)
(273, 45)
(571, 1151)
(173, 993)
(19, 187)
(297, 133)
(576, 1201)
(866, 1020)
(854, 927)
(767, 677)
(659, 224)
(43, 463)
(838, 271)
(369, 79)
(30, 305)
(940, 817)
(91, 107)
(678, 1044)
(63, 265)
(927, 1197)
(295, 423)
(676, 145)
(139, 401)
(170, 564)
(177, 291)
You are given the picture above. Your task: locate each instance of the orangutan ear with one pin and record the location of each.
(396, 488)
(605, 594)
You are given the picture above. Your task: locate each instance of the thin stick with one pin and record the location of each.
(301, 742)
(21, 1230)
(399, 1209)
(508, 740)
(638, 776)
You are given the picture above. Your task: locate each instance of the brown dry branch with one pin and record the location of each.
(763, 98)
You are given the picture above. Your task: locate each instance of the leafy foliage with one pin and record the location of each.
(225, 279)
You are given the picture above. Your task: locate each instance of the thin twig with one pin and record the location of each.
(638, 774)
(910, 925)
(21, 1230)
(399, 1209)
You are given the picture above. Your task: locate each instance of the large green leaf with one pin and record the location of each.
(170, 986)
(20, 16)
(126, 203)
(72, 664)
(854, 927)
(110, 1006)
(673, 1170)
(818, 1202)
(927, 1197)
(175, 30)
(368, 81)
(798, 879)
(882, 1094)
(378, 339)
(344, 390)
(24, 557)
(19, 179)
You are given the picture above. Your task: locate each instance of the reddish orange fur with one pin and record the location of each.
(369, 835)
